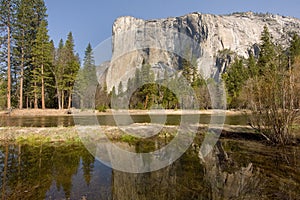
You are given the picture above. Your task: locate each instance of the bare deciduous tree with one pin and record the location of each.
(274, 101)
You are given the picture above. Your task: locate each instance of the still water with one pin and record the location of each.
(65, 121)
(235, 169)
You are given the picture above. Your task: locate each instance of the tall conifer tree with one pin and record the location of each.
(42, 60)
(87, 78)
(72, 67)
(23, 40)
(7, 19)
(30, 14)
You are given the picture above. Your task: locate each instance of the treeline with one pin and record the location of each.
(183, 89)
(272, 58)
(34, 73)
(269, 86)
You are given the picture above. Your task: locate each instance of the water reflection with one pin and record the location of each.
(229, 179)
(233, 170)
(52, 172)
(107, 120)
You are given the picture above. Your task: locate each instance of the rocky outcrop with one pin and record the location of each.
(163, 42)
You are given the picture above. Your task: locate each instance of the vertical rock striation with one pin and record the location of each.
(163, 42)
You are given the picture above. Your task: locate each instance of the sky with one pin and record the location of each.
(91, 21)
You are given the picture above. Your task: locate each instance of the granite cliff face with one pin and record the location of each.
(163, 42)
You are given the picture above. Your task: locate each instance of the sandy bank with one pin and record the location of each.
(54, 112)
(72, 133)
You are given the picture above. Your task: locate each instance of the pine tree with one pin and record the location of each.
(58, 71)
(120, 88)
(130, 86)
(267, 52)
(86, 82)
(294, 48)
(235, 78)
(186, 70)
(50, 83)
(7, 18)
(90, 76)
(252, 66)
(30, 14)
(72, 67)
(42, 60)
(88, 61)
(113, 93)
(38, 8)
(145, 72)
(23, 40)
(137, 78)
(148, 88)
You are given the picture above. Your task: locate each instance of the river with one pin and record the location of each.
(105, 120)
(235, 169)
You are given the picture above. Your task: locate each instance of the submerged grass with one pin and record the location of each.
(39, 135)
(70, 135)
(129, 139)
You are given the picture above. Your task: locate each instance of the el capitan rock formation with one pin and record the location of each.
(211, 34)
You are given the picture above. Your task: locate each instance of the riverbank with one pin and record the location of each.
(72, 134)
(65, 112)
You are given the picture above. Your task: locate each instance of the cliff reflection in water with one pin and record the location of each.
(232, 170)
(215, 177)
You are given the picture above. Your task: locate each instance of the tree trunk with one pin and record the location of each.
(8, 68)
(43, 88)
(70, 100)
(291, 85)
(58, 98)
(62, 99)
(81, 102)
(146, 102)
(35, 97)
(21, 81)
(58, 93)
(27, 102)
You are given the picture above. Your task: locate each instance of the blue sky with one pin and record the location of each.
(91, 20)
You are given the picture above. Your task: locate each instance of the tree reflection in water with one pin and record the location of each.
(234, 169)
(50, 171)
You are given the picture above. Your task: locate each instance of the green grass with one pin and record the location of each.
(129, 139)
